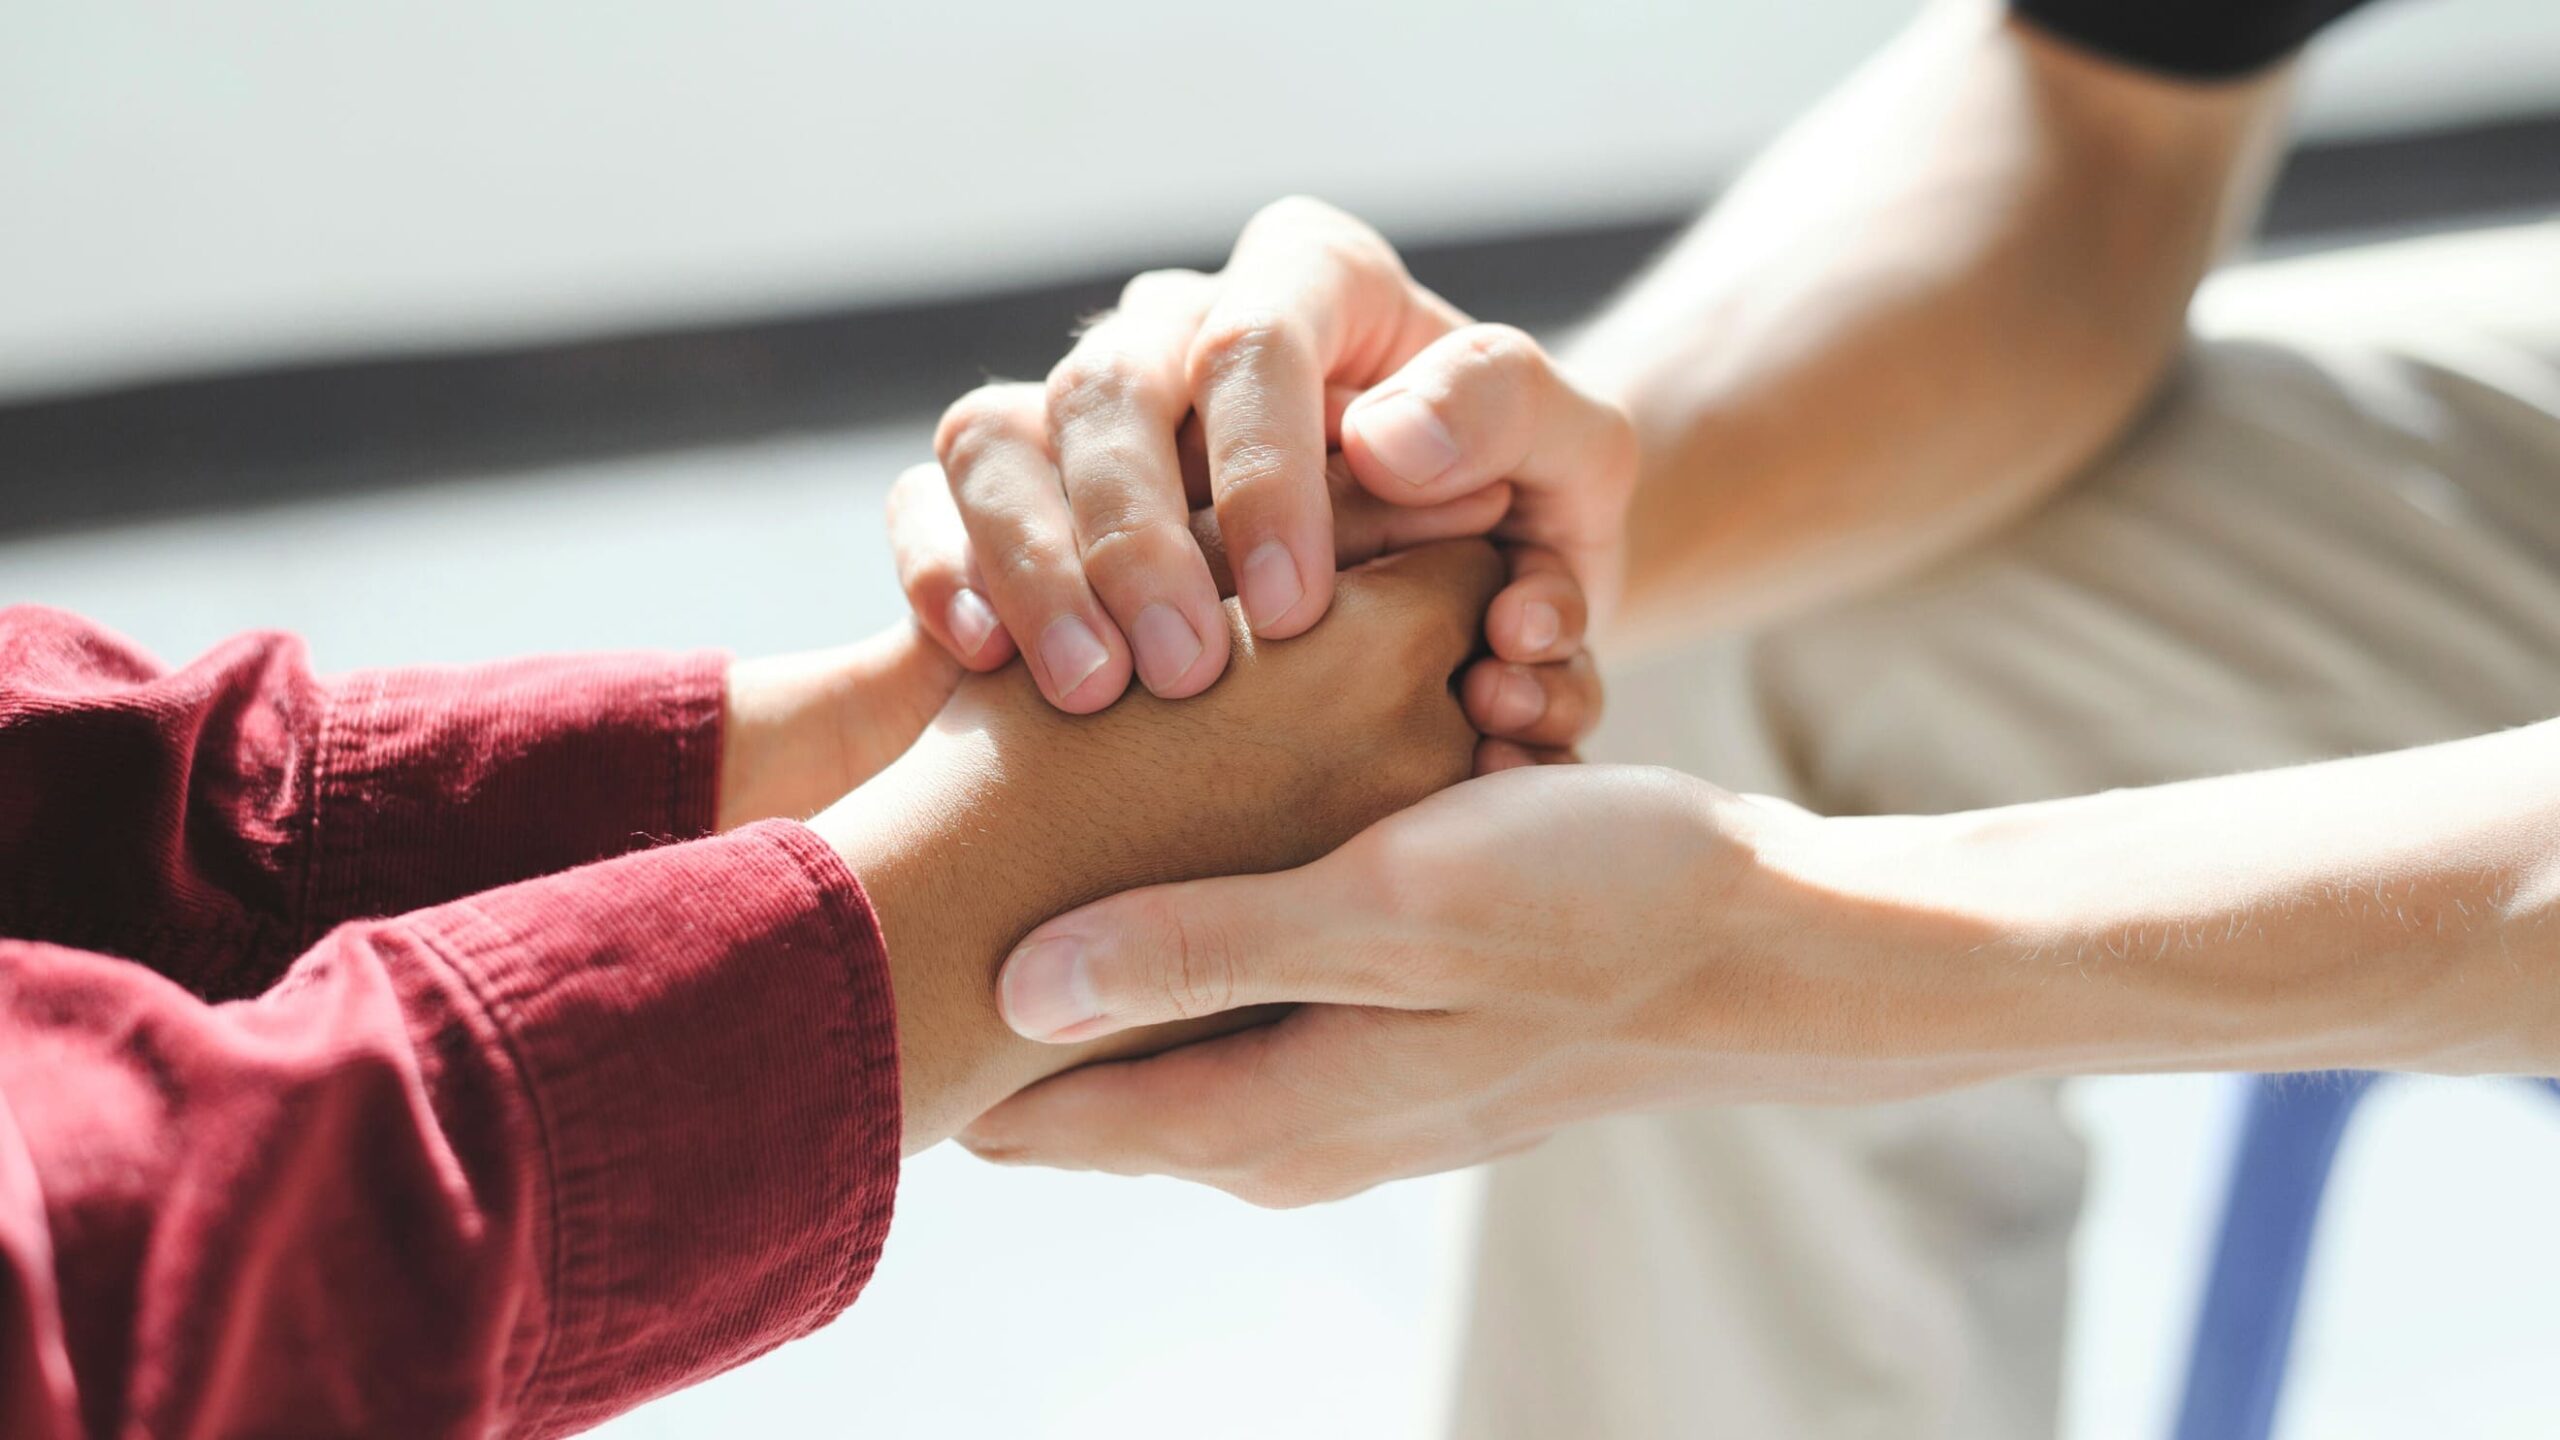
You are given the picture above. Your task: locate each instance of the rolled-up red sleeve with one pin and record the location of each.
(214, 820)
(503, 1166)
(311, 1122)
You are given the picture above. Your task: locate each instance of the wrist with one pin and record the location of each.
(943, 917)
(803, 729)
(946, 843)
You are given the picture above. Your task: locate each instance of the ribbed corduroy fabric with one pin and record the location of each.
(395, 1056)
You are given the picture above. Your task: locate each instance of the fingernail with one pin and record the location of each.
(1539, 625)
(1269, 584)
(971, 622)
(1046, 990)
(1167, 645)
(1518, 700)
(1407, 438)
(1070, 651)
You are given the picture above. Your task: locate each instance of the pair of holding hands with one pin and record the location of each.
(1267, 825)
(1265, 432)
(1323, 408)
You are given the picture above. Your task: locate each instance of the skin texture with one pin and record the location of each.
(1067, 540)
(1934, 300)
(1537, 948)
(803, 729)
(1004, 811)
(1928, 305)
(1531, 702)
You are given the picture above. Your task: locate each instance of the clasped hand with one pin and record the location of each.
(1322, 406)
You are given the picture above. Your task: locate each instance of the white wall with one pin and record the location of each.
(184, 186)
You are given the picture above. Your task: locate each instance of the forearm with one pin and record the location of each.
(2398, 911)
(1929, 303)
(502, 1167)
(956, 875)
(213, 819)
(800, 730)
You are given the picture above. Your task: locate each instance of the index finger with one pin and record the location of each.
(1114, 405)
(1179, 1113)
(1308, 292)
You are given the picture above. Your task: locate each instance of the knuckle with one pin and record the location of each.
(1414, 638)
(1251, 468)
(1149, 287)
(1111, 517)
(1504, 353)
(1021, 566)
(1324, 227)
(1112, 483)
(1196, 969)
(983, 418)
(1296, 211)
(1122, 544)
(1425, 636)
(1241, 340)
(1093, 380)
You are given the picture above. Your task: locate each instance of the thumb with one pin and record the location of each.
(1178, 952)
(1480, 404)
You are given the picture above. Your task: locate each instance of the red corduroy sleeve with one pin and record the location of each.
(504, 1166)
(215, 820)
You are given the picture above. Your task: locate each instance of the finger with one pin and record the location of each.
(1273, 1116)
(1538, 705)
(1189, 444)
(1188, 1112)
(1309, 295)
(1481, 404)
(1113, 404)
(1443, 587)
(938, 572)
(1259, 391)
(994, 448)
(1493, 755)
(1540, 616)
(1365, 527)
(1177, 952)
(1337, 399)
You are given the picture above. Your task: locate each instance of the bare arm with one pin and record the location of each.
(1566, 942)
(2392, 912)
(1933, 300)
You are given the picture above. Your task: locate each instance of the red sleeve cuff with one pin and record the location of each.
(712, 1070)
(431, 784)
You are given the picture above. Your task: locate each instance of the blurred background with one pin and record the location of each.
(459, 331)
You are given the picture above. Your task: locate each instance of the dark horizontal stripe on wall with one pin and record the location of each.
(223, 440)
